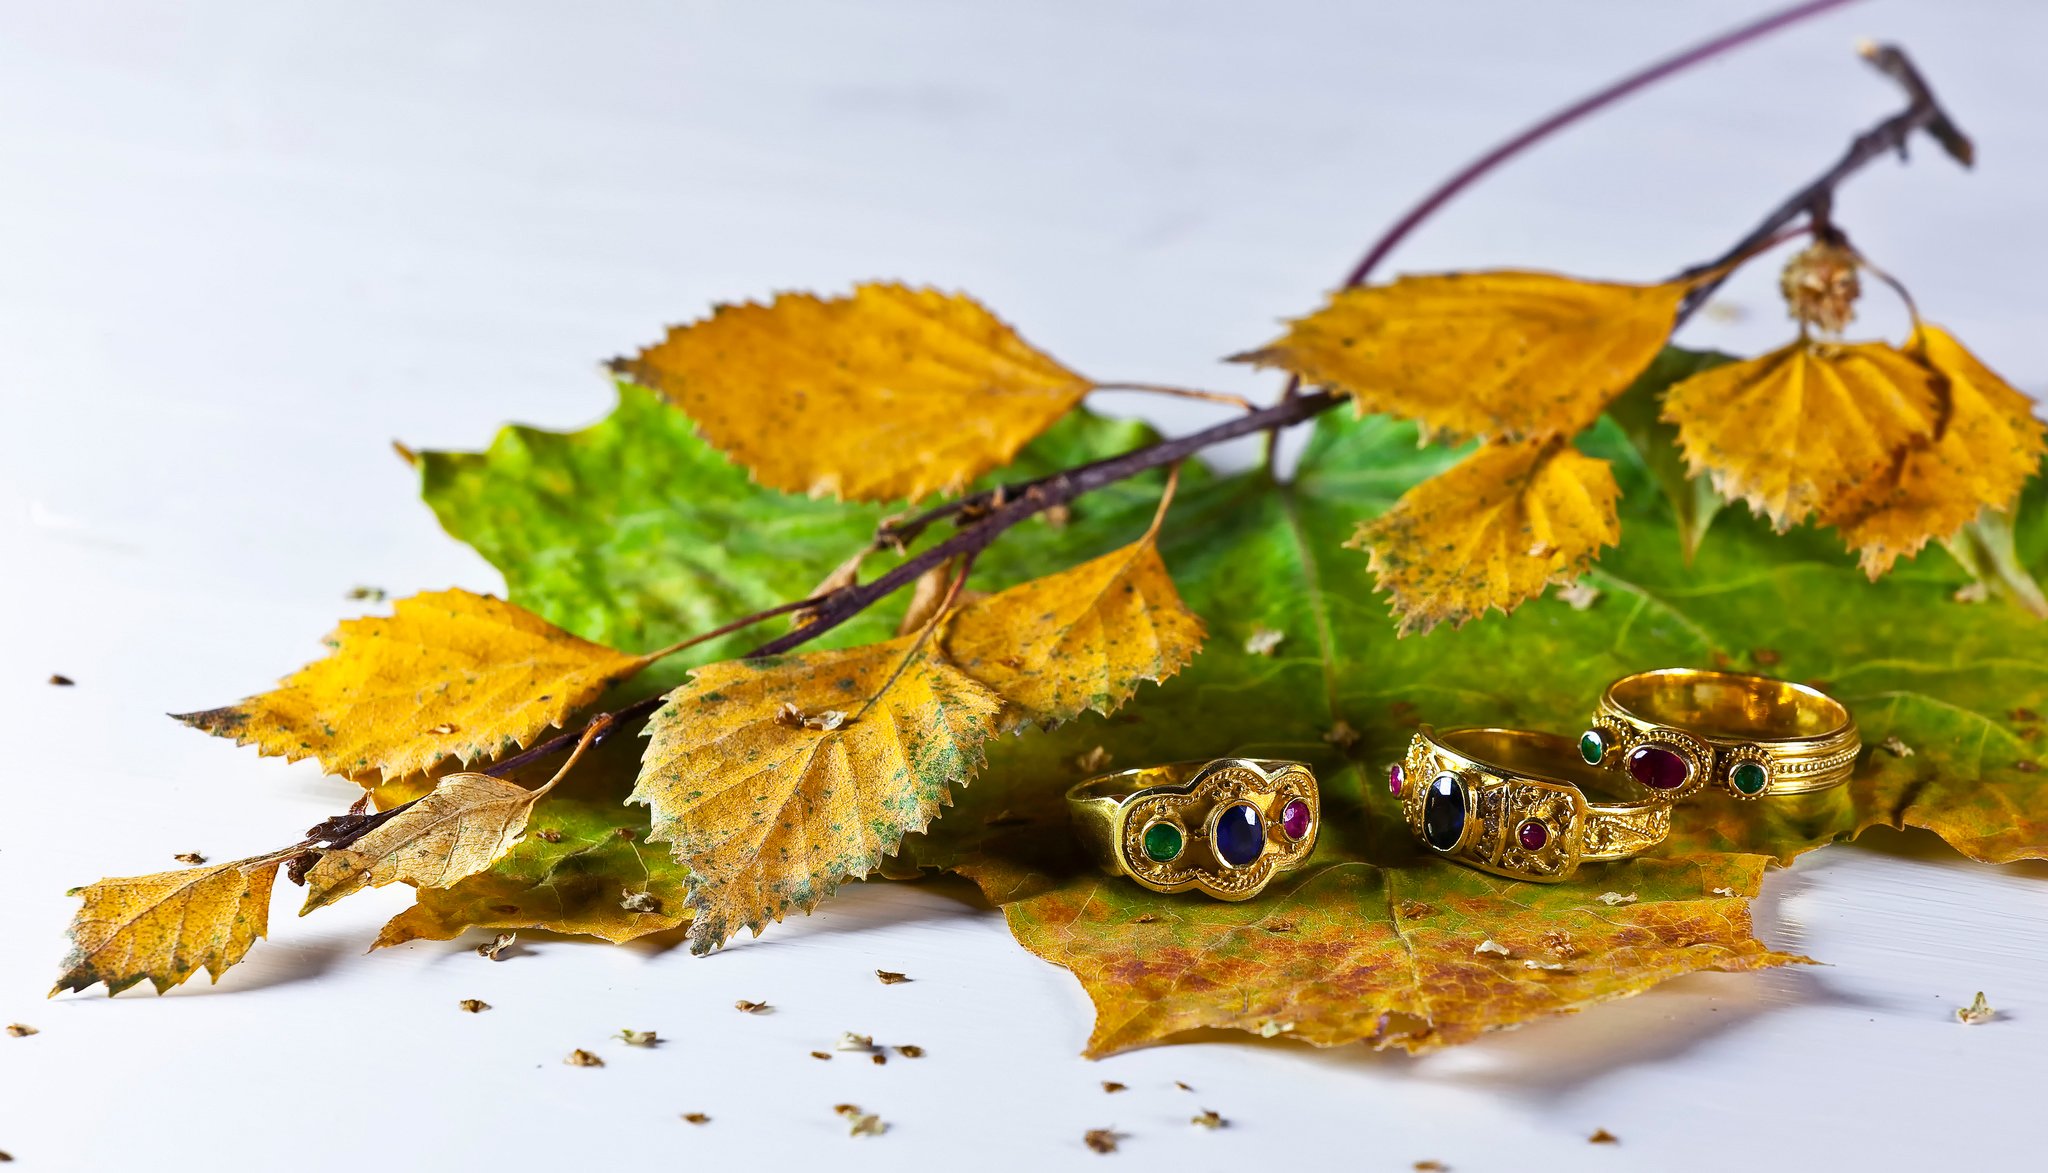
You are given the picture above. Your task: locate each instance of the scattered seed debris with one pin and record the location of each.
(1209, 1120)
(548, 835)
(1182, 1086)
(826, 1055)
(1768, 657)
(61, 680)
(910, 1051)
(1602, 1136)
(21, 1030)
(796, 718)
(1431, 1167)
(1724, 891)
(582, 1058)
(696, 1118)
(1270, 1029)
(367, 594)
(1580, 595)
(862, 1123)
(474, 1005)
(1559, 943)
(849, 1041)
(880, 1058)
(847, 1110)
(1263, 640)
(1342, 735)
(640, 902)
(1895, 747)
(1976, 1013)
(1492, 946)
(1549, 965)
(640, 1038)
(191, 857)
(1111, 1086)
(1414, 910)
(1280, 926)
(890, 977)
(1094, 761)
(746, 1007)
(1975, 592)
(1614, 899)
(1102, 1140)
(491, 949)
(624, 832)
(1145, 918)
(444, 729)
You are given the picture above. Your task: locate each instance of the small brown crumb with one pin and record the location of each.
(1093, 762)
(640, 902)
(880, 1058)
(444, 729)
(849, 1041)
(910, 1051)
(1895, 747)
(2027, 766)
(1414, 910)
(1559, 943)
(1102, 1140)
(1342, 735)
(1111, 1086)
(1768, 657)
(1145, 918)
(1263, 640)
(625, 833)
(821, 1055)
(367, 594)
(1280, 926)
(497, 945)
(582, 1058)
(640, 1038)
(190, 857)
(474, 1005)
(1209, 1120)
(2023, 715)
(21, 1030)
(848, 1110)
(696, 1118)
(548, 835)
(61, 681)
(1602, 1136)
(868, 1125)
(1976, 1013)
(890, 977)
(746, 1007)
(1182, 1086)
(1431, 1167)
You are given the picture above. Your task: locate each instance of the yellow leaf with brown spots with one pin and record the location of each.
(1804, 426)
(458, 829)
(776, 778)
(168, 926)
(450, 677)
(1492, 531)
(1081, 639)
(891, 393)
(1989, 444)
(1501, 354)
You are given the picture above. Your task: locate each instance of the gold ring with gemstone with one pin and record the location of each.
(1514, 802)
(1223, 827)
(1676, 730)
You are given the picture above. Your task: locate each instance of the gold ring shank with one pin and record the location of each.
(1744, 734)
(1515, 802)
(1184, 825)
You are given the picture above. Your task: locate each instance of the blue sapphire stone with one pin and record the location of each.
(1240, 834)
(1443, 812)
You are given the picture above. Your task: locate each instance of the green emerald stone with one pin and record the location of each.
(1163, 842)
(1748, 778)
(1592, 746)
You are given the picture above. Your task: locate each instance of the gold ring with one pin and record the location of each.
(1676, 730)
(1513, 802)
(1223, 827)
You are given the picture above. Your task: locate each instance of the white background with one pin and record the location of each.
(243, 246)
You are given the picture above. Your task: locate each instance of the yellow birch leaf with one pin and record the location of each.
(1990, 444)
(773, 786)
(1500, 354)
(450, 675)
(891, 393)
(168, 926)
(1798, 428)
(1081, 639)
(457, 830)
(1492, 531)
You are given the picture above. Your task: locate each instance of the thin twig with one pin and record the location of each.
(924, 635)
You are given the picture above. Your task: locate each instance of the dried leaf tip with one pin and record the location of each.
(1209, 1120)
(494, 949)
(474, 1005)
(21, 1030)
(890, 977)
(582, 1058)
(639, 1038)
(1977, 1012)
(1101, 1140)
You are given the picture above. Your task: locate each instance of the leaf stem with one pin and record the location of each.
(1237, 401)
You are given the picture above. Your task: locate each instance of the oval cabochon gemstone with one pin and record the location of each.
(1658, 768)
(1592, 746)
(1533, 835)
(1748, 778)
(1294, 819)
(1395, 778)
(1163, 842)
(1240, 834)
(1443, 812)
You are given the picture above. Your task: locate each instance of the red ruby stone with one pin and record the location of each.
(1533, 834)
(1395, 778)
(1657, 768)
(1294, 819)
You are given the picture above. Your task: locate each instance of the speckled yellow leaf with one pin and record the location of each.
(1481, 354)
(168, 926)
(458, 829)
(891, 393)
(1492, 531)
(772, 806)
(1990, 443)
(450, 675)
(1803, 426)
(1081, 639)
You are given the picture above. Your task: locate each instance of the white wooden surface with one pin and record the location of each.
(242, 246)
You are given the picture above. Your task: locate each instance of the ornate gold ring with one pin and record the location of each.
(1677, 730)
(1223, 827)
(1514, 802)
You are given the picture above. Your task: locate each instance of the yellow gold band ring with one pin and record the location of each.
(1677, 730)
(1514, 802)
(1223, 827)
